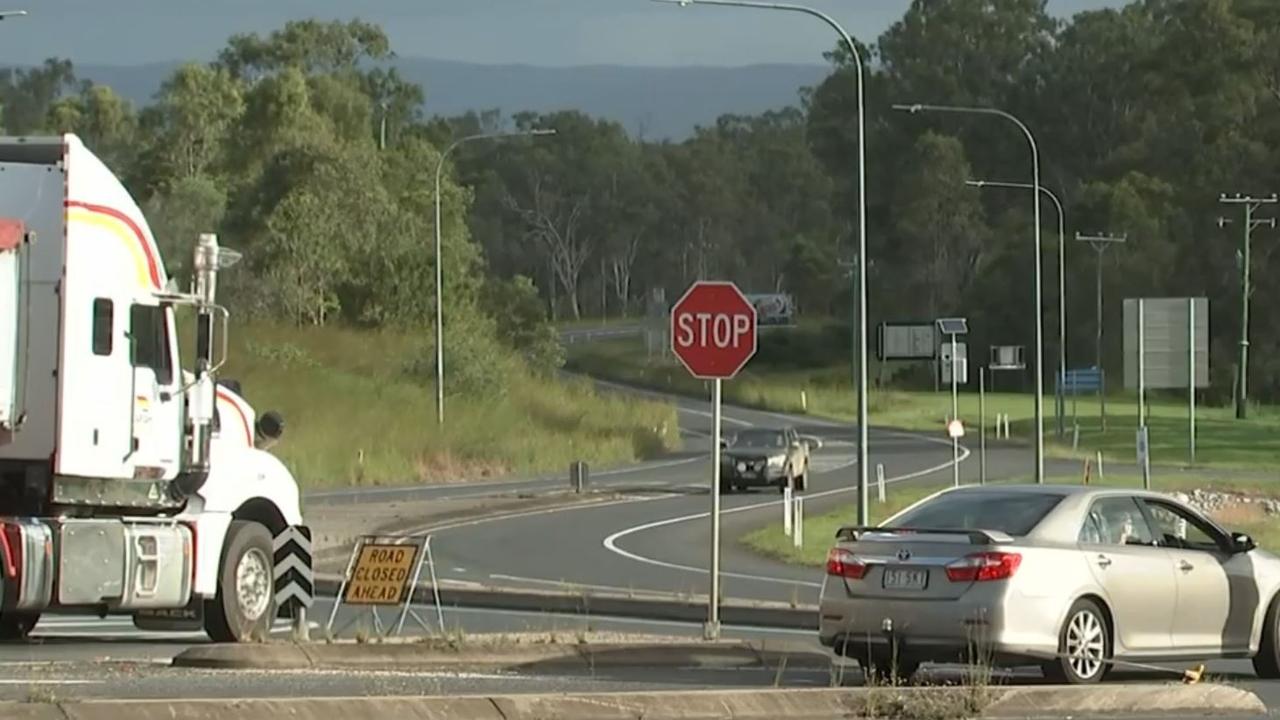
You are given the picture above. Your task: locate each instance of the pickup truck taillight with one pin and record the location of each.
(842, 563)
(984, 566)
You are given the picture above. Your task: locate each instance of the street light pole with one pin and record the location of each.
(1039, 298)
(1100, 244)
(1251, 205)
(439, 264)
(5, 14)
(860, 292)
(1060, 400)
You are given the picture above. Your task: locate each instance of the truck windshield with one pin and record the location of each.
(759, 439)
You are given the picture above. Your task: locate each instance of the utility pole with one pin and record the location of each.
(1251, 205)
(1100, 244)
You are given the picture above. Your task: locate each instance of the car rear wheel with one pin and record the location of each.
(1267, 662)
(1084, 646)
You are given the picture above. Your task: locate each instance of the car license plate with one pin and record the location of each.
(905, 579)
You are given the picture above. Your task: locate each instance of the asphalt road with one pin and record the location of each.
(660, 539)
(654, 539)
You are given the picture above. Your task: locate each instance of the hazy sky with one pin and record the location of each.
(536, 32)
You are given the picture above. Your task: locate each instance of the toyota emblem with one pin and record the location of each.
(904, 554)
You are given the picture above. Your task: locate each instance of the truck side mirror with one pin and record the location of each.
(270, 425)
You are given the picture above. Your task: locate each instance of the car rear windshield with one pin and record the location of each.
(1010, 513)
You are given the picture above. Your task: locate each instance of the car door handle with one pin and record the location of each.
(1104, 561)
(1185, 566)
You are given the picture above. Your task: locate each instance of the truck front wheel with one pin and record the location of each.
(244, 607)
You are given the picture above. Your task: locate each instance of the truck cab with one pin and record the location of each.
(131, 482)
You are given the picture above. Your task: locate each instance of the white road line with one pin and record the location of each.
(12, 681)
(611, 542)
(531, 513)
(568, 584)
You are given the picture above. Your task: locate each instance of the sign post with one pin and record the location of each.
(713, 333)
(1166, 346)
(953, 327)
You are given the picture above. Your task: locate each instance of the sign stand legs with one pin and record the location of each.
(712, 631)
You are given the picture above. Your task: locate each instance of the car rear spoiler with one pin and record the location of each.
(976, 537)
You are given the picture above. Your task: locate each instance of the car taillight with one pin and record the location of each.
(984, 566)
(842, 563)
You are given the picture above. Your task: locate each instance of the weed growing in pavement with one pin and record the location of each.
(782, 669)
(41, 694)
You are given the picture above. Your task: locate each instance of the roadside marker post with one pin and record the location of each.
(880, 480)
(786, 510)
(798, 537)
(714, 334)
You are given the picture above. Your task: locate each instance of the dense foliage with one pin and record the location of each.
(1144, 115)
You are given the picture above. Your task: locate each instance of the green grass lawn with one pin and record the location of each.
(352, 416)
(1222, 441)
(819, 531)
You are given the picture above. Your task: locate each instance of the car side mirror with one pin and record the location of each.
(1242, 543)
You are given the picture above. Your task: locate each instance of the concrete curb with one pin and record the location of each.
(740, 705)
(525, 656)
(646, 606)
(1155, 699)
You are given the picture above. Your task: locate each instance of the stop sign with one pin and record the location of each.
(713, 330)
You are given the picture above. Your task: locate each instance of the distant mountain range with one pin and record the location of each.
(663, 103)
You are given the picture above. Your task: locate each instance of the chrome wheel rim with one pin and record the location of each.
(1086, 644)
(253, 584)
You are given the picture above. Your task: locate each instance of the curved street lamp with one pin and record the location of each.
(1061, 410)
(439, 270)
(1035, 173)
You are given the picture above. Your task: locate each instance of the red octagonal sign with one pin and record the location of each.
(713, 330)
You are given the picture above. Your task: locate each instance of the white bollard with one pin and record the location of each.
(880, 479)
(804, 401)
(1101, 474)
(786, 510)
(797, 536)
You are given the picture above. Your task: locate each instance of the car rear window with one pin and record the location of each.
(1011, 513)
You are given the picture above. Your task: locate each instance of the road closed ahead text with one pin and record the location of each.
(381, 574)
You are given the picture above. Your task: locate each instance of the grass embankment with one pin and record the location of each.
(819, 531)
(354, 417)
(779, 379)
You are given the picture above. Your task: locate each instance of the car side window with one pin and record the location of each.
(1116, 521)
(1176, 528)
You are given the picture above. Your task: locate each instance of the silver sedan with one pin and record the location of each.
(1076, 579)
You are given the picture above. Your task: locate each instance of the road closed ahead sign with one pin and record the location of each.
(713, 330)
(381, 574)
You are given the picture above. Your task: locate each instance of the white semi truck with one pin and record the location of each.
(130, 483)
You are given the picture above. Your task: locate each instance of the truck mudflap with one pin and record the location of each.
(183, 619)
(294, 574)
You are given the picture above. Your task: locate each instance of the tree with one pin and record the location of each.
(940, 226)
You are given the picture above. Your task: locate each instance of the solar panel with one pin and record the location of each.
(953, 326)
